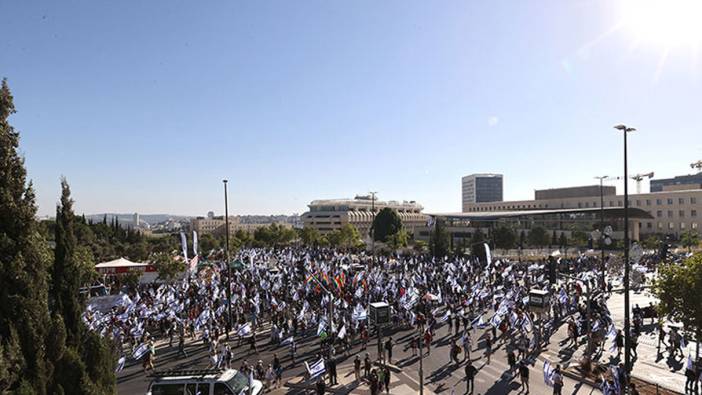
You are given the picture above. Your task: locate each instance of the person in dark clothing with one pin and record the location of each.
(386, 379)
(524, 376)
(332, 371)
(321, 387)
(366, 365)
(470, 376)
(388, 348)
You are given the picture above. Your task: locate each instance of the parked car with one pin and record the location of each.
(203, 382)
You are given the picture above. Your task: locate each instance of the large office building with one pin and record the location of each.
(671, 212)
(574, 192)
(481, 188)
(329, 215)
(691, 181)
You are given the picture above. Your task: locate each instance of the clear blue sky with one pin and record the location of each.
(145, 106)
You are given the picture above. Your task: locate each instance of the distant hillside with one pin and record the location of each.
(151, 219)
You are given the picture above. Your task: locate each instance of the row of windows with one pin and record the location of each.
(671, 225)
(594, 204)
(681, 213)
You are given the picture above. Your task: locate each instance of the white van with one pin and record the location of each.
(203, 382)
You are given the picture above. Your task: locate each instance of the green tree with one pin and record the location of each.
(578, 238)
(310, 236)
(538, 237)
(505, 237)
(689, 239)
(398, 240)
(652, 242)
(349, 237)
(563, 240)
(24, 262)
(678, 287)
(439, 243)
(385, 224)
(66, 276)
(206, 243)
(167, 266)
(554, 239)
(522, 239)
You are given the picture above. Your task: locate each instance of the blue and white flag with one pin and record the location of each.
(548, 373)
(244, 330)
(140, 351)
(316, 368)
(287, 341)
(527, 324)
(120, 363)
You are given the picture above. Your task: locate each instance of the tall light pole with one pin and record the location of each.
(226, 254)
(627, 336)
(602, 231)
(372, 223)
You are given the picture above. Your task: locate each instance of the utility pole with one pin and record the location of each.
(372, 223)
(226, 254)
(627, 335)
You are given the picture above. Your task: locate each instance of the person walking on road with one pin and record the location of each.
(557, 381)
(467, 344)
(524, 376)
(386, 379)
(619, 341)
(357, 368)
(470, 376)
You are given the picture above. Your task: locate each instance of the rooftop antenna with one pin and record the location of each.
(638, 179)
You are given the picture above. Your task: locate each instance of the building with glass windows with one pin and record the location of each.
(481, 188)
(331, 214)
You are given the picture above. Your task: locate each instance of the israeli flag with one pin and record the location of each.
(316, 368)
(548, 373)
(287, 341)
(527, 324)
(244, 330)
(120, 363)
(140, 351)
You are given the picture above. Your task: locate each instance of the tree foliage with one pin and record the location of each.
(504, 237)
(167, 266)
(678, 287)
(689, 239)
(538, 237)
(310, 236)
(439, 242)
(24, 262)
(345, 237)
(41, 352)
(386, 224)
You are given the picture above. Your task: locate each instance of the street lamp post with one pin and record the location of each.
(627, 336)
(372, 223)
(226, 254)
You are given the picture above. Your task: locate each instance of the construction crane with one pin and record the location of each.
(638, 179)
(697, 165)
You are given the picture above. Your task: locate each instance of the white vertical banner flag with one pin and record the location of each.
(184, 245)
(342, 332)
(548, 373)
(195, 243)
(488, 257)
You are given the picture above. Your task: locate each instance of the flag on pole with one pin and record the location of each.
(342, 332)
(140, 351)
(184, 245)
(195, 243)
(488, 257)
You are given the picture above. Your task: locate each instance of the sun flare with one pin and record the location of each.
(667, 23)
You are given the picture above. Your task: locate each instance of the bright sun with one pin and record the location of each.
(664, 22)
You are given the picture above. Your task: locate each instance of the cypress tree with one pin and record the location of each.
(65, 276)
(24, 259)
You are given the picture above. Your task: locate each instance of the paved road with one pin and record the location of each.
(440, 376)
